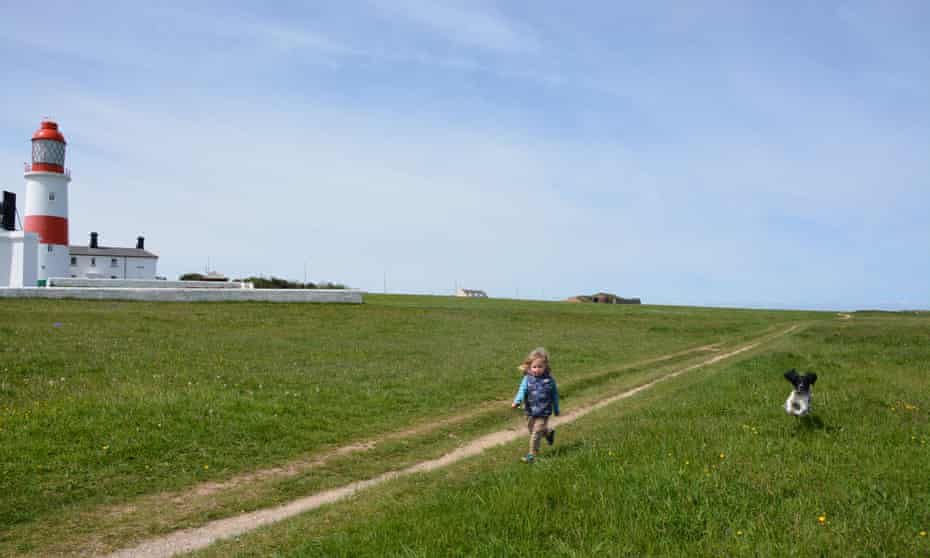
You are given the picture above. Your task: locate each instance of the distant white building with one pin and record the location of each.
(473, 293)
(103, 262)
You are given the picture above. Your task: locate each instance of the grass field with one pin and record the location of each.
(105, 407)
(707, 465)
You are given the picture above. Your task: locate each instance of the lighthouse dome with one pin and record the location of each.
(48, 148)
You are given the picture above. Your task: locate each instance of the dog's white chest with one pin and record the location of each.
(798, 404)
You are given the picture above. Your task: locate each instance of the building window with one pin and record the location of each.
(49, 247)
(51, 196)
(113, 262)
(73, 260)
(93, 262)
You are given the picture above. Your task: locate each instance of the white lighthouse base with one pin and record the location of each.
(18, 259)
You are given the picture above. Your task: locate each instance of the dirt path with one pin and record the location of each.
(188, 540)
(188, 498)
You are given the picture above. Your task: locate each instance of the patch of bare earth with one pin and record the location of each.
(190, 496)
(187, 540)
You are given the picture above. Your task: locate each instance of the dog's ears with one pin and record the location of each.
(792, 376)
(811, 378)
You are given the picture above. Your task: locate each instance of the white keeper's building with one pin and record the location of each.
(103, 262)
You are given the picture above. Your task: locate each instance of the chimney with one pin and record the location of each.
(140, 243)
(93, 240)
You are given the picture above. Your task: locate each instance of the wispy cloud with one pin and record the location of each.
(470, 24)
(283, 37)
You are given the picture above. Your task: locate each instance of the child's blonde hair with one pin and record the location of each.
(539, 353)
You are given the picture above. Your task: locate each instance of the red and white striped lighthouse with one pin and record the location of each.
(47, 200)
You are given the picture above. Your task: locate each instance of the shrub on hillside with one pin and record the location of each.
(212, 276)
(278, 283)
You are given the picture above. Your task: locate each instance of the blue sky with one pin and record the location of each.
(700, 153)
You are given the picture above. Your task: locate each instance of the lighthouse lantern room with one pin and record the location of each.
(47, 200)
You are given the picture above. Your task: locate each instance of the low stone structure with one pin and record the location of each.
(605, 298)
(80, 282)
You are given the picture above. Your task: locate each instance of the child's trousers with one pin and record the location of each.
(538, 427)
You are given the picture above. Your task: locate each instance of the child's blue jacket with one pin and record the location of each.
(541, 394)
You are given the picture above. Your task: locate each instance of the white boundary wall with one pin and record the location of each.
(84, 282)
(348, 296)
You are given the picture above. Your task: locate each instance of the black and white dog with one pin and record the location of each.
(799, 401)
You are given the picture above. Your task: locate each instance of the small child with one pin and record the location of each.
(542, 399)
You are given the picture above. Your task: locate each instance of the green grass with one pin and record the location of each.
(104, 403)
(707, 464)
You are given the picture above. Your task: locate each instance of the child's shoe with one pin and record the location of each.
(550, 436)
(528, 458)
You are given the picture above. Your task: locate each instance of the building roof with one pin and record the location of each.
(111, 252)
